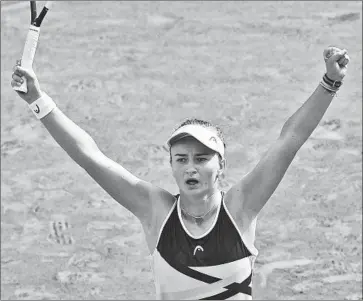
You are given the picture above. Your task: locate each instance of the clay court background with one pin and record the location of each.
(128, 73)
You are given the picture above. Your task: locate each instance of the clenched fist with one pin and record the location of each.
(336, 61)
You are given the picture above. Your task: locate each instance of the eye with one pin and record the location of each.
(181, 160)
(201, 159)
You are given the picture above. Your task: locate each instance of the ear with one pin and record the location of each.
(170, 158)
(222, 166)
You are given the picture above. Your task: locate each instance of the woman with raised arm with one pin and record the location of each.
(201, 240)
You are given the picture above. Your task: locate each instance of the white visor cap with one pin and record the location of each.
(205, 135)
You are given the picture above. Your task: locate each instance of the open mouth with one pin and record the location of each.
(192, 182)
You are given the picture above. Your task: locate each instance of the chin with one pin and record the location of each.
(197, 191)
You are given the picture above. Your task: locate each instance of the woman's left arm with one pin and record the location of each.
(250, 194)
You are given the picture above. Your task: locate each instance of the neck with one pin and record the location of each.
(198, 205)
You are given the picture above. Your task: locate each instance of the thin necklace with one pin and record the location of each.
(200, 216)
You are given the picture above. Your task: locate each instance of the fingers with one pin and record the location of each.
(328, 52)
(15, 83)
(17, 78)
(17, 75)
(338, 55)
(16, 68)
(344, 60)
(21, 72)
(334, 55)
(18, 63)
(18, 72)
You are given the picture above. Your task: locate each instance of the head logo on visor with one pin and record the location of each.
(213, 139)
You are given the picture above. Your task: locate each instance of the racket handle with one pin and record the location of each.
(27, 59)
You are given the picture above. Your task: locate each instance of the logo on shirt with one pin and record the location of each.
(198, 248)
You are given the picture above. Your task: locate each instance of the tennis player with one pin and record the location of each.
(201, 240)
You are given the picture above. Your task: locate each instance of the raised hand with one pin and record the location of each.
(336, 61)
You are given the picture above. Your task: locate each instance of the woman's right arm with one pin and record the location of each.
(131, 192)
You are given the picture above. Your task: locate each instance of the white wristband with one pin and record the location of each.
(42, 106)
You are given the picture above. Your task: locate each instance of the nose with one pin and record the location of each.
(190, 170)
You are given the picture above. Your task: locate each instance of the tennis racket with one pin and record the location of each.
(31, 42)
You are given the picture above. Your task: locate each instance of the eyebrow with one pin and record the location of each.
(185, 155)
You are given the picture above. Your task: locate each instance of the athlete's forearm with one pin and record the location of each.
(75, 141)
(303, 122)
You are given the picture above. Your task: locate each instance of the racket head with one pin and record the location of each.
(38, 20)
(33, 11)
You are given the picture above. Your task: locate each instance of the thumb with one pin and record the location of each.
(27, 73)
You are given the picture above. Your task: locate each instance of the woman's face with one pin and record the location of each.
(195, 167)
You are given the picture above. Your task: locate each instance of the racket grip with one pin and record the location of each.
(27, 59)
